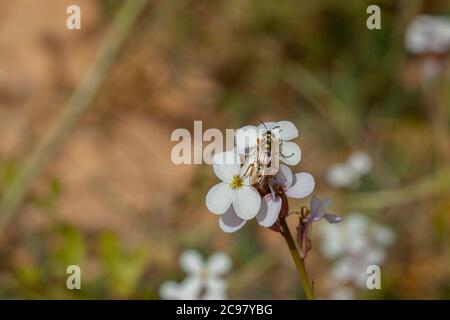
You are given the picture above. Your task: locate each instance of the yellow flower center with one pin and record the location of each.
(204, 274)
(236, 182)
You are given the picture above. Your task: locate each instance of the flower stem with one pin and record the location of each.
(299, 262)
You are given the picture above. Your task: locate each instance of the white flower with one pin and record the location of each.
(203, 279)
(353, 268)
(290, 152)
(355, 235)
(342, 293)
(357, 243)
(360, 162)
(234, 190)
(348, 174)
(297, 186)
(428, 34)
(341, 175)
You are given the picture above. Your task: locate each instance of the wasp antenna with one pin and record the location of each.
(265, 127)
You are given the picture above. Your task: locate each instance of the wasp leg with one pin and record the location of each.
(249, 168)
(281, 152)
(288, 155)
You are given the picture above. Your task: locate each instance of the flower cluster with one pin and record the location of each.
(349, 173)
(203, 281)
(246, 191)
(428, 34)
(357, 244)
(428, 37)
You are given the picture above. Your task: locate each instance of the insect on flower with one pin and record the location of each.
(264, 158)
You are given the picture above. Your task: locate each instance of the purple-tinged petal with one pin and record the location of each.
(269, 211)
(302, 187)
(284, 176)
(230, 222)
(332, 218)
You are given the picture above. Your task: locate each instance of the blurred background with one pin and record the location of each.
(109, 198)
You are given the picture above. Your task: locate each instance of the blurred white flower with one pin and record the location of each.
(290, 152)
(348, 174)
(355, 245)
(428, 34)
(356, 234)
(360, 162)
(203, 280)
(352, 268)
(342, 293)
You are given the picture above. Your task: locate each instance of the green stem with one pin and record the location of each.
(299, 262)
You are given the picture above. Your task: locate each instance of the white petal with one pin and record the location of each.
(341, 175)
(246, 202)
(428, 34)
(170, 290)
(302, 187)
(215, 295)
(215, 289)
(383, 235)
(269, 211)
(342, 293)
(191, 262)
(333, 241)
(360, 162)
(346, 269)
(230, 222)
(290, 153)
(284, 176)
(287, 130)
(191, 288)
(246, 139)
(219, 263)
(219, 198)
(226, 165)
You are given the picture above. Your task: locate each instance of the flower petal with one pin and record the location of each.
(246, 139)
(219, 263)
(191, 288)
(315, 204)
(284, 176)
(341, 175)
(219, 198)
(215, 289)
(302, 187)
(230, 222)
(360, 162)
(226, 165)
(287, 130)
(342, 293)
(332, 218)
(290, 153)
(246, 202)
(269, 211)
(191, 262)
(170, 290)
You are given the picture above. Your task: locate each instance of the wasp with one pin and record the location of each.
(265, 158)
